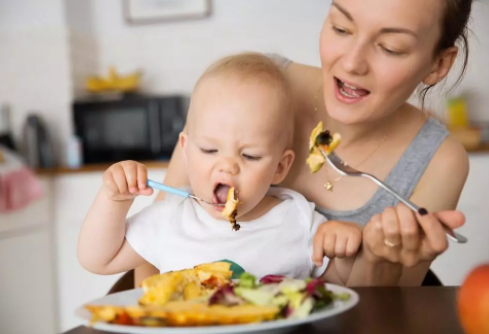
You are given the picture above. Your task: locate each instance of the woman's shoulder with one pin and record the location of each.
(447, 171)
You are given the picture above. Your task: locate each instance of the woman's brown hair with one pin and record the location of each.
(454, 31)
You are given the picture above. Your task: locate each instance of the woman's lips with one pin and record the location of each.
(348, 93)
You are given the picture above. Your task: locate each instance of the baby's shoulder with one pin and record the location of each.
(294, 200)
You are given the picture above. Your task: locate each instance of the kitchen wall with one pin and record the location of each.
(34, 63)
(173, 55)
(49, 48)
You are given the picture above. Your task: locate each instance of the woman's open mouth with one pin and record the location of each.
(349, 93)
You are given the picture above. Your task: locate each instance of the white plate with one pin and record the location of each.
(131, 297)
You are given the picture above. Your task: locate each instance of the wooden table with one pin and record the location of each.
(420, 310)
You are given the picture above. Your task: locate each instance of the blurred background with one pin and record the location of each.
(84, 83)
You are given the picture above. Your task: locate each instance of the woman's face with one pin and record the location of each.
(374, 53)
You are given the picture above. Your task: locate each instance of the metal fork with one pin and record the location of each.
(341, 167)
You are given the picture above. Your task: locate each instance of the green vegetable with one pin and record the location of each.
(343, 297)
(304, 309)
(246, 280)
(254, 296)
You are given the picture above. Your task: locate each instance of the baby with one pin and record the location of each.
(239, 134)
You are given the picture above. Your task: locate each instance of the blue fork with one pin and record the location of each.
(176, 191)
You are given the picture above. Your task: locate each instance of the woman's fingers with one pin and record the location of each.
(410, 237)
(390, 224)
(452, 219)
(435, 234)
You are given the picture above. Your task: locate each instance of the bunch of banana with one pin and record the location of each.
(113, 82)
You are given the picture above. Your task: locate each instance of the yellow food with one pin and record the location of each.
(316, 160)
(230, 211)
(182, 313)
(113, 82)
(186, 284)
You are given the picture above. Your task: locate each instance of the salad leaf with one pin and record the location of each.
(225, 296)
(255, 296)
(270, 279)
(247, 280)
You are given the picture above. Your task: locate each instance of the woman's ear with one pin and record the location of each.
(442, 65)
(283, 166)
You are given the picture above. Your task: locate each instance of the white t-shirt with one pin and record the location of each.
(178, 233)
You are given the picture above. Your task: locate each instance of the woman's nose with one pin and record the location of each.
(229, 165)
(355, 60)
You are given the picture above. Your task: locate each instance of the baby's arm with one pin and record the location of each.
(339, 241)
(102, 247)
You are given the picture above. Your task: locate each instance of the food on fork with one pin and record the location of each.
(187, 284)
(230, 211)
(323, 139)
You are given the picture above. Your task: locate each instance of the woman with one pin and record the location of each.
(374, 54)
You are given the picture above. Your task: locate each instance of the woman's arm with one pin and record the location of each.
(421, 238)
(176, 176)
(439, 189)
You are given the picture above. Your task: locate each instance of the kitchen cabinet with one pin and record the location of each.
(27, 279)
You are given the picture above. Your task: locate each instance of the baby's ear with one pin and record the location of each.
(182, 139)
(182, 142)
(283, 166)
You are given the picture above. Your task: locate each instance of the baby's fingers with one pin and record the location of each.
(142, 178)
(131, 174)
(317, 249)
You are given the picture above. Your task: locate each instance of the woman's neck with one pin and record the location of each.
(353, 134)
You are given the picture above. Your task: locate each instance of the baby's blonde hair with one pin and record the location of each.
(256, 66)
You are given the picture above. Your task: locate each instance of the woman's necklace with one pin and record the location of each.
(329, 185)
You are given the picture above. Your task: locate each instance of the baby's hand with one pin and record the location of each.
(336, 239)
(125, 180)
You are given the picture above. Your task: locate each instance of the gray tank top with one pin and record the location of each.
(403, 178)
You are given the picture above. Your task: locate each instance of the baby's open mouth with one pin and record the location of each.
(221, 191)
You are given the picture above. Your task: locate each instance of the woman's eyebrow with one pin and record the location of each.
(343, 11)
(389, 30)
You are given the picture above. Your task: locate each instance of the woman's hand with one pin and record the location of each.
(398, 235)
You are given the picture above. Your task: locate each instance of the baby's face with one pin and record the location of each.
(234, 139)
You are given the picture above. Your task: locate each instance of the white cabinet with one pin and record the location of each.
(74, 193)
(27, 280)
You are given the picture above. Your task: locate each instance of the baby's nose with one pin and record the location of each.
(229, 165)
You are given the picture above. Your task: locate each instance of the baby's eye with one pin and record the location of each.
(208, 151)
(251, 157)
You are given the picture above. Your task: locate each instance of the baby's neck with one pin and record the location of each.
(265, 205)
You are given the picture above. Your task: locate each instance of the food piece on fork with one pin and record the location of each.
(230, 211)
(323, 139)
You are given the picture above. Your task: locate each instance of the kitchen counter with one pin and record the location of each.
(161, 164)
(95, 168)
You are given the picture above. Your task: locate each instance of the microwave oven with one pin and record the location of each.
(130, 127)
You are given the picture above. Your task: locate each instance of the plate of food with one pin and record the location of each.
(207, 299)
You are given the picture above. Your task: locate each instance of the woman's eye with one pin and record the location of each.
(208, 151)
(390, 52)
(340, 31)
(251, 157)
